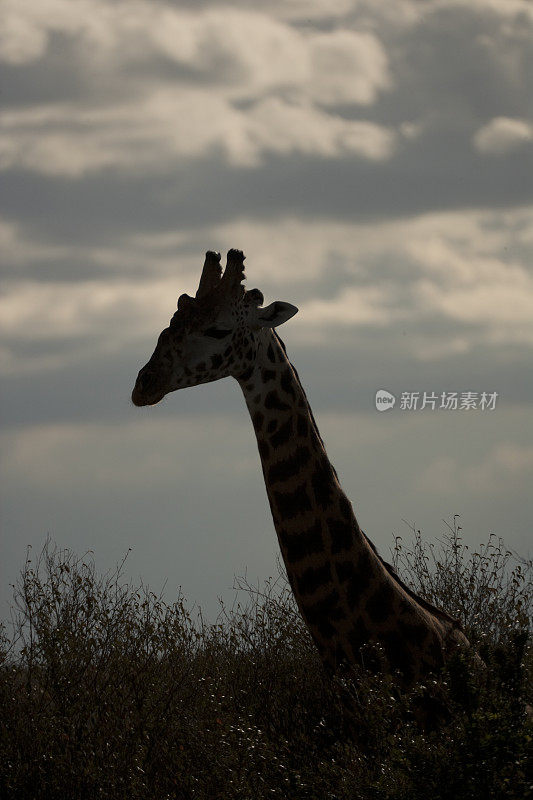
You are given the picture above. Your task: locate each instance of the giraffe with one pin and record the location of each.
(347, 594)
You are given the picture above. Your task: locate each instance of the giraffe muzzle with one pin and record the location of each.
(147, 391)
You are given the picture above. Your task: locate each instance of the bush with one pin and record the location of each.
(109, 691)
(488, 590)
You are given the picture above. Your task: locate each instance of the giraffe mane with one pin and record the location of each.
(438, 612)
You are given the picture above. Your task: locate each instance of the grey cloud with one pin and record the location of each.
(102, 206)
(502, 135)
(450, 282)
(356, 363)
(486, 78)
(378, 456)
(453, 68)
(470, 57)
(46, 81)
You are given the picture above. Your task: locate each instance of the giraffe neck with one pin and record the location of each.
(320, 540)
(301, 484)
(347, 595)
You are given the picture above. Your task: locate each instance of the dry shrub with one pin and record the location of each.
(109, 691)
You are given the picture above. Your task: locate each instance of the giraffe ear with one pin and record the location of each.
(275, 314)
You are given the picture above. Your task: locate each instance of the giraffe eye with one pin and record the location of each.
(216, 333)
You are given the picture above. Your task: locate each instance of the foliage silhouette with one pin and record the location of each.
(109, 691)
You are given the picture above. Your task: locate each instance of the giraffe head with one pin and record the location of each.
(213, 335)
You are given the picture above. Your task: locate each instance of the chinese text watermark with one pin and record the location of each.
(437, 401)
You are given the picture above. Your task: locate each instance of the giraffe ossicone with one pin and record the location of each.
(347, 595)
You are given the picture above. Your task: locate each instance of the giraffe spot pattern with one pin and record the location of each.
(271, 354)
(323, 483)
(306, 543)
(380, 603)
(283, 435)
(353, 594)
(345, 570)
(345, 507)
(360, 580)
(264, 449)
(313, 578)
(323, 614)
(364, 569)
(289, 504)
(267, 375)
(414, 631)
(274, 403)
(286, 382)
(258, 419)
(289, 467)
(341, 533)
(327, 607)
(302, 425)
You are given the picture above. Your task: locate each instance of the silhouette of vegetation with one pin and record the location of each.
(108, 691)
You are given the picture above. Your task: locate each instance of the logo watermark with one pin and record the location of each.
(384, 400)
(437, 401)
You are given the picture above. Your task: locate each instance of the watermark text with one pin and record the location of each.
(437, 401)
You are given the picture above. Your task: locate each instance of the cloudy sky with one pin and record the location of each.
(373, 158)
